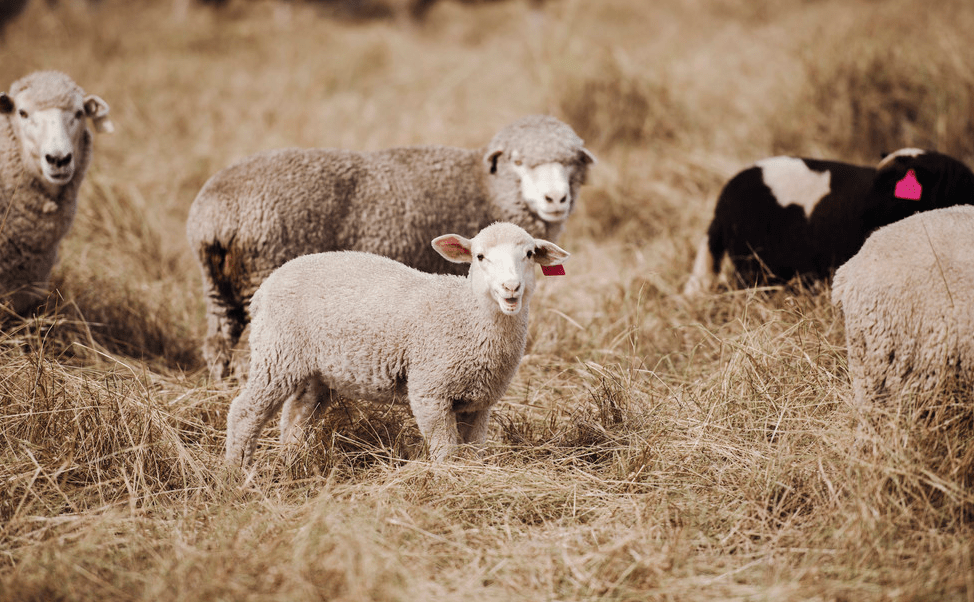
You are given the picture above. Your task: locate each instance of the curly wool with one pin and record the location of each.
(257, 214)
(906, 299)
(364, 326)
(34, 222)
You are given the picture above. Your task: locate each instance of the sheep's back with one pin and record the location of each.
(348, 316)
(907, 300)
(275, 206)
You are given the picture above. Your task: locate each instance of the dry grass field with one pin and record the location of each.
(649, 448)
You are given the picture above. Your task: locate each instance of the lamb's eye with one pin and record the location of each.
(530, 253)
(79, 115)
(23, 114)
(517, 162)
(480, 256)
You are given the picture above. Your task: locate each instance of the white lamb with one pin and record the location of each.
(45, 149)
(255, 215)
(907, 298)
(359, 325)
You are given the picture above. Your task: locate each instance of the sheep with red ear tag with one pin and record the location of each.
(362, 326)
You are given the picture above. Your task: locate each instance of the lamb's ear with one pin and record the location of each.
(6, 103)
(586, 157)
(548, 253)
(97, 110)
(453, 247)
(490, 159)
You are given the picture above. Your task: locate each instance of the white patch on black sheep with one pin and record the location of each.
(786, 216)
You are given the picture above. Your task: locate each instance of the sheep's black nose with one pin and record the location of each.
(58, 161)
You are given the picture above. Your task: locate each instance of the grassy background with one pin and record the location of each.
(648, 449)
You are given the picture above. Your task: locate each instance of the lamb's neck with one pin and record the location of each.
(497, 324)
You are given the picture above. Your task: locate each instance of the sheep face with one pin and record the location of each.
(48, 119)
(546, 188)
(502, 258)
(545, 160)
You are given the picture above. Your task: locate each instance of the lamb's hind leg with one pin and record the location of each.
(251, 410)
(299, 410)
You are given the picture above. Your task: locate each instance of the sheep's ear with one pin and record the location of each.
(586, 157)
(97, 110)
(6, 103)
(490, 159)
(548, 253)
(453, 247)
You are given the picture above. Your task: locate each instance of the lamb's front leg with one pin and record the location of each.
(437, 423)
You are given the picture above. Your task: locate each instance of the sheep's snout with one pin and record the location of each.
(511, 286)
(56, 147)
(547, 190)
(509, 295)
(58, 161)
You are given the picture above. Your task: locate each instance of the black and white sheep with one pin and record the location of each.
(45, 149)
(789, 216)
(252, 217)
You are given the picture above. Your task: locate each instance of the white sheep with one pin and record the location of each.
(907, 296)
(45, 150)
(252, 217)
(359, 325)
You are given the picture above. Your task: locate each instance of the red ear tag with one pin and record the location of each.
(553, 270)
(908, 188)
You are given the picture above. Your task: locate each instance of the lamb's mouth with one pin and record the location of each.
(511, 303)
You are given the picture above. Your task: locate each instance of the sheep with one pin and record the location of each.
(789, 216)
(906, 296)
(45, 150)
(359, 325)
(253, 216)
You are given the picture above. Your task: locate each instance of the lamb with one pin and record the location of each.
(788, 216)
(360, 325)
(45, 150)
(906, 296)
(255, 215)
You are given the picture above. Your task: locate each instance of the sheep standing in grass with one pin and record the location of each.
(907, 298)
(252, 217)
(45, 149)
(360, 325)
(787, 216)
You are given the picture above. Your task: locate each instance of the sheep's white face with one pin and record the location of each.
(51, 134)
(506, 272)
(546, 188)
(502, 266)
(50, 138)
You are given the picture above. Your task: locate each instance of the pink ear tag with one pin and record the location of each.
(908, 188)
(553, 270)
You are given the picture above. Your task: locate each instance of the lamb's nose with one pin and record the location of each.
(551, 200)
(512, 287)
(57, 161)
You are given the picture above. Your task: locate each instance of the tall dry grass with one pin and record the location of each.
(649, 448)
